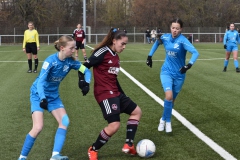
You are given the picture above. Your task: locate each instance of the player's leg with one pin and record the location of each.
(131, 108)
(34, 52)
(29, 57)
(111, 112)
(235, 58)
(57, 110)
(83, 51)
(37, 118)
(77, 48)
(227, 56)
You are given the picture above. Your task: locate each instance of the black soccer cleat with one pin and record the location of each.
(237, 70)
(224, 69)
(35, 71)
(29, 71)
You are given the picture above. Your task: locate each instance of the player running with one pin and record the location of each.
(173, 71)
(230, 41)
(108, 93)
(45, 95)
(79, 36)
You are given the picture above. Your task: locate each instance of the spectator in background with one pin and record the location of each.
(190, 38)
(148, 35)
(159, 32)
(153, 35)
(31, 46)
(125, 31)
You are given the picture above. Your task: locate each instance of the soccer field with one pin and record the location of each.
(209, 101)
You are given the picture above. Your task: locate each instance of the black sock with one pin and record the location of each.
(132, 125)
(36, 63)
(30, 64)
(101, 140)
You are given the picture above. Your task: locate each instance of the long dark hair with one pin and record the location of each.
(177, 20)
(108, 40)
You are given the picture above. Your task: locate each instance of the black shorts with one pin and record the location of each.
(31, 48)
(79, 44)
(117, 105)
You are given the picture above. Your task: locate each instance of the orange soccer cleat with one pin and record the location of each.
(129, 150)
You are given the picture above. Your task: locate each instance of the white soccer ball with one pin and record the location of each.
(146, 148)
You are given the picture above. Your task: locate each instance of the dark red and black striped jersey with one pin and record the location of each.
(78, 35)
(106, 65)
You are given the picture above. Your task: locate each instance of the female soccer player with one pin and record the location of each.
(230, 41)
(108, 93)
(79, 36)
(45, 95)
(31, 46)
(173, 71)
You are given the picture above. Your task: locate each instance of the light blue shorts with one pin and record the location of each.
(231, 48)
(170, 83)
(52, 104)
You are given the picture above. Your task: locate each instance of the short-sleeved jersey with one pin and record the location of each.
(52, 73)
(30, 36)
(79, 35)
(106, 65)
(231, 38)
(176, 50)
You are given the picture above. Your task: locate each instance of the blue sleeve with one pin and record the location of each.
(238, 39)
(42, 79)
(225, 38)
(190, 48)
(154, 48)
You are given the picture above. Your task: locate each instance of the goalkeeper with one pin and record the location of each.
(173, 71)
(45, 95)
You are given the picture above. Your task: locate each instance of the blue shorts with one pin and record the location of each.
(231, 48)
(170, 83)
(52, 105)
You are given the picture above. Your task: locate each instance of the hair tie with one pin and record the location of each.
(114, 30)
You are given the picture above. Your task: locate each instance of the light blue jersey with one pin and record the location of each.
(231, 39)
(52, 73)
(176, 50)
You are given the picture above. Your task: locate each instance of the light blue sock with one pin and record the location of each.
(167, 111)
(236, 63)
(27, 146)
(59, 139)
(226, 63)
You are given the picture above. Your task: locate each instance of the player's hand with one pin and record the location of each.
(185, 68)
(23, 49)
(44, 104)
(149, 61)
(84, 86)
(225, 46)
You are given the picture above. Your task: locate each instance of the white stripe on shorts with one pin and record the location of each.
(107, 106)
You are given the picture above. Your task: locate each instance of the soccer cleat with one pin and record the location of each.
(129, 150)
(161, 125)
(168, 127)
(29, 71)
(59, 157)
(237, 70)
(224, 69)
(34, 71)
(93, 155)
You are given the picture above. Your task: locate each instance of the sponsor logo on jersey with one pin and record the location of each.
(172, 54)
(45, 65)
(114, 106)
(113, 70)
(56, 79)
(65, 68)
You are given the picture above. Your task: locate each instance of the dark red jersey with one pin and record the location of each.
(106, 65)
(79, 35)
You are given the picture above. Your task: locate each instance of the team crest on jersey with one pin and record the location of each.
(176, 46)
(114, 106)
(65, 68)
(45, 65)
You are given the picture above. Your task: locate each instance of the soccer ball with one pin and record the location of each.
(145, 148)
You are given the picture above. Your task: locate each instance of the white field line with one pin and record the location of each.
(223, 153)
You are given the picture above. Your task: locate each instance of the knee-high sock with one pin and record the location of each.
(102, 139)
(30, 64)
(236, 63)
(27, 146)
(36, 63)
(132, 125)
(167, 111)
(60, 137)
(225, 63)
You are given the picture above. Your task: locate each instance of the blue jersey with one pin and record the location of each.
(231, 38)
(176, 50)
(52, 73)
